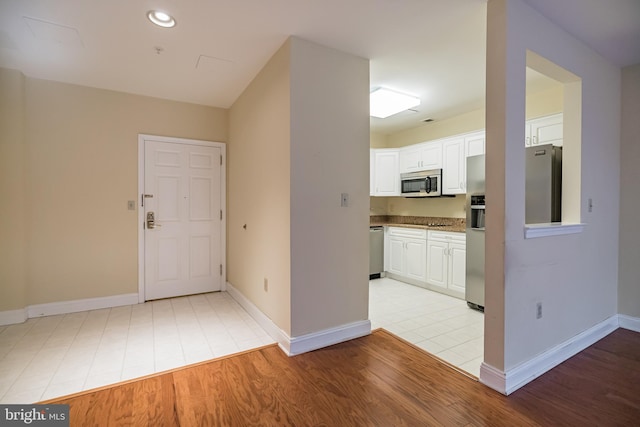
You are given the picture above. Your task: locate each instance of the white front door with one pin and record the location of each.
(182, 197)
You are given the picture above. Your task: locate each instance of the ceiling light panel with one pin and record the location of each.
(386, 102)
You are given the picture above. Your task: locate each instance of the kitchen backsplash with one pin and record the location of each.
(446, 207)
(416, 220)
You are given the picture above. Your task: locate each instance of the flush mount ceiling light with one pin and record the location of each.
(386, 102)
(161, 19)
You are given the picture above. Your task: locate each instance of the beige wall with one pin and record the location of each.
(463, 123)
(12, 197)
(330, 156)
(574, 276)
(629, 287)
(377, 140)
(312, 251)
(544, 103)
(259, 191)
(538, 104)
(81, 168)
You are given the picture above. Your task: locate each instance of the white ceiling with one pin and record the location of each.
(434, 49)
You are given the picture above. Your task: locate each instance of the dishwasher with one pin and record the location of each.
(376, 252)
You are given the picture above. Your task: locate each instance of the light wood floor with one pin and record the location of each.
(377, 380)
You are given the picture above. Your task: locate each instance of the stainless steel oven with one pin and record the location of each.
(421, 184)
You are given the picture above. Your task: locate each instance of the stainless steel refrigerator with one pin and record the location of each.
(543, 185)
(474, 286)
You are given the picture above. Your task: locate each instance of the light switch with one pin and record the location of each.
(131, 205)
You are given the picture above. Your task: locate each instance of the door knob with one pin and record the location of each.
(151, 221)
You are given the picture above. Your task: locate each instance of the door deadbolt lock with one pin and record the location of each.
(151, 221)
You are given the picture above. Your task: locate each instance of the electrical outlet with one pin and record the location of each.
(539, 310)
(266, 284)
(344, 200)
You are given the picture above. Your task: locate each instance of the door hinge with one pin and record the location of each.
(220, 214)
(221, 269)
(220, 159)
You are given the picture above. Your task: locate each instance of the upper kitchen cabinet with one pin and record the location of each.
(386, 177)
(544, 130)
(474, 144)
(372, 173)
(421, 157)
(454, 160)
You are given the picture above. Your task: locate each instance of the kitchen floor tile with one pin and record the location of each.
(437, 323)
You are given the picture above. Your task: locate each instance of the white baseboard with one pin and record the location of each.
(75, 306)
(11, 317)
(262, 319)
(510, 381)
(301, 344)
(65, 307)
(327, 337)
(493, 377)
(628, 322)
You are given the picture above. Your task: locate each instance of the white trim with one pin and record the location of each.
(75, 306)
(513, 379)
(11, 317)
(532, 231)
(492, 377)
(262, 319)
(297, 345)
(327, 337)
(628, 322)
(139, 202)
(223, 203)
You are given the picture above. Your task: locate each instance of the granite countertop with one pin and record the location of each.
(456, 225)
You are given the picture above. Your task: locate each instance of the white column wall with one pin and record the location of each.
(573, 276)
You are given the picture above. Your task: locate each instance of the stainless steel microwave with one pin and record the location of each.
(421, 184)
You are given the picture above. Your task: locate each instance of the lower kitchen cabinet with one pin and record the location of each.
(446, 262)
(406, 251)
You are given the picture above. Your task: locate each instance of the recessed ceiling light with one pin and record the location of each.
(162, 19)
(386, 102)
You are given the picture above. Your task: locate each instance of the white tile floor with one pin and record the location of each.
(53, 356)
(440, 324)
(57, 355)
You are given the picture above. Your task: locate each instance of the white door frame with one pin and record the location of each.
(141, 219)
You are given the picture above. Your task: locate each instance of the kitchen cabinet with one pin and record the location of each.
(544, 130)
(418, 157)
(474, 144)
(372, 173)
(406, 249)
(454, 165)
(446, 262)
(386, 176)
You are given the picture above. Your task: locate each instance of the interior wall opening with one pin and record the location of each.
(552, 144)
